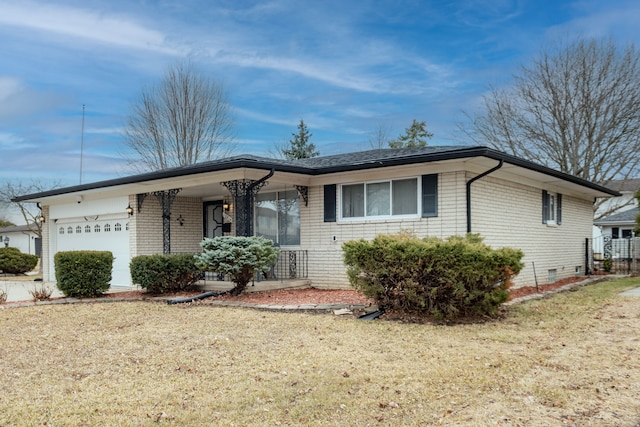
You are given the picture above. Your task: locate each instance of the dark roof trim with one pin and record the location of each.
(326, 165)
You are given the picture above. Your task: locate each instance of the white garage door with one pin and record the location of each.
(98, 235)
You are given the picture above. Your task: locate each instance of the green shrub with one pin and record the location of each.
(239, 257)
(12, 261)
(83, 273)
(445, 279)
(165, 273)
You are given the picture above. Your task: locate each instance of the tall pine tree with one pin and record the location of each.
(415, 135)
(300, 147)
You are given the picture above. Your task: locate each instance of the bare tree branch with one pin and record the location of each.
(575, 108)
(183, 120)
(29, 211)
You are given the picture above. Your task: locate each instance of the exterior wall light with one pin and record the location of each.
(129, 210)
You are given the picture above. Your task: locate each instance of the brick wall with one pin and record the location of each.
(503, 212)
(146, 227)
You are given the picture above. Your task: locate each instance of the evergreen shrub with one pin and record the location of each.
(165, 273)
(83, 273)
(237, 256)
(457, 277)
(12, 261)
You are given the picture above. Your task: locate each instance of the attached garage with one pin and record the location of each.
(105, 232)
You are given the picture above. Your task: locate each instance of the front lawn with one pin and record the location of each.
(570, 359)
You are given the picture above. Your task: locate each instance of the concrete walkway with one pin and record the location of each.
(631, 293)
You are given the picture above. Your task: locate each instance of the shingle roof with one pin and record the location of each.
(14, 229)
(329, 164)
(626, 185)
(628, 216)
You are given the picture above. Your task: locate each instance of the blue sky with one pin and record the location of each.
(345, 67)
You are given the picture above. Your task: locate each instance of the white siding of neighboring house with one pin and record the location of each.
(23, 240)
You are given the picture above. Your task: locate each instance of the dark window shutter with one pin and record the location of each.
(545, 206)
(429, 195)
(330, 203)
(559, 205)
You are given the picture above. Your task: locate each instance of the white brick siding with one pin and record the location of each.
(504, 213)
(146, 227)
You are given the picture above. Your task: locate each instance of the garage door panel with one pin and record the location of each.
(107, 235)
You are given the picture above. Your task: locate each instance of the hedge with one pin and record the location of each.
(12, 261)
(165, 273)
(83, 273)
(457, 277)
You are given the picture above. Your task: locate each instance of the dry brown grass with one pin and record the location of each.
(571, 359)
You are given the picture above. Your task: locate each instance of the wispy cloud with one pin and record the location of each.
(83, 24)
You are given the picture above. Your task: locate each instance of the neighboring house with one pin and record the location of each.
(619, 227)
(625, 201)
(21, 237)
(309, 207)
(614, 217)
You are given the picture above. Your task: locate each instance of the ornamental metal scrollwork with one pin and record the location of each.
(303, 190)
(243, 192)
(607, 246)
(293, 265)
(166, 199)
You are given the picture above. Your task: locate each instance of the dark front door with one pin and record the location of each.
(213, 219)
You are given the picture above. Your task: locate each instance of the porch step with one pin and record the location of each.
(265, 285)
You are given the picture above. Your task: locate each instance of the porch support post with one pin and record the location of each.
(166, 199)
(243, 192)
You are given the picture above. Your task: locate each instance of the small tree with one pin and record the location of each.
(415, 135)
(239, 257)
(300, 147)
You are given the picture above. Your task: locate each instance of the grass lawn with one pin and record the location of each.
(571, 359)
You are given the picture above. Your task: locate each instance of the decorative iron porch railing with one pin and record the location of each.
(291, 264)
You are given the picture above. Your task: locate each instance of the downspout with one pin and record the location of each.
(249, 201)
(471, 181)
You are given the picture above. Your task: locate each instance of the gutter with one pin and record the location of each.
(471, 181)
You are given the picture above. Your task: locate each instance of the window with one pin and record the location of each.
(61, 231)
(96, 228)
(87, 229)
(78, 230)
(70, 230)
(118, 226)
(107, 228)
(551, 208)
(382, 199)
(277, 217)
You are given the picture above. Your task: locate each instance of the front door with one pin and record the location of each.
(214, 219)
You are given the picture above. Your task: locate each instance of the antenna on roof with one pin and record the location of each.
(81, 143)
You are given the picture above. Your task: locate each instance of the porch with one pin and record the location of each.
(289, 272)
